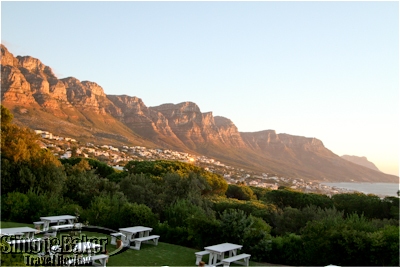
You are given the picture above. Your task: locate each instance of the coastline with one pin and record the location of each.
(380, 189)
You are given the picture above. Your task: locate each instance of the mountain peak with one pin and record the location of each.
(362, 161)
(7, 58)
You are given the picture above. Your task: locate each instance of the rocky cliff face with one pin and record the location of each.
(143, 120)
(81, 109)
(64, 106)
(26, 80)
(85, 96)
(14, 86)
(190, 125)
(228, 132)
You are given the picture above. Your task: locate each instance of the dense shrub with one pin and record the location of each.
(240, 192)
(137, 214)
(205, 232)
(290, 198)
(178, 214)
(349, 241)
(178, 235)
(257, 208)
(100, 168)
(287, 249)
(159, 168)
(15, 207)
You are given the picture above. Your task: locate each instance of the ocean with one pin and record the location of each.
(381, 189)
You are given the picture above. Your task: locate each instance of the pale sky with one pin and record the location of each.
(328, 70)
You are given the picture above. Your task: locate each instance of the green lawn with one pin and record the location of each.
(163, 254)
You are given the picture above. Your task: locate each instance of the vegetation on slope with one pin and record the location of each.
(191, 207)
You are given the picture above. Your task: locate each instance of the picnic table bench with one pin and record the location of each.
(114, 237)
(79, 261)
(102, 258)
(217, 252)
(235, 259)
(67, 226)
(38, 226)
(138, 241)
(200, 254)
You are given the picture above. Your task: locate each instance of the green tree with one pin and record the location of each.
(287, 249)
(240, 192)
(259, 192)
(159, 169)
(353, 240)
(100, 168)
(290, 198)
(205, 231)
(43, 203)
(256, 208)
(235, 225)
(178, 214)
(15, 207)
(6, 117)
(137, 214)
(257, 239)
(82, 187)
(24, 164)
(142, 189)
(106, 210)
(369, 205)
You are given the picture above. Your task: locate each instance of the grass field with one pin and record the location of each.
(163, 254)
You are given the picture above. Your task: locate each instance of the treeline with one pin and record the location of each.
(189, 206)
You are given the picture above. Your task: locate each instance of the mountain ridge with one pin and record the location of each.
(363, 161)
(82, 110)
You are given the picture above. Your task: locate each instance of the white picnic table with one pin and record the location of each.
(56, 219)
(218, 252)
(131, 232)
(17, 231)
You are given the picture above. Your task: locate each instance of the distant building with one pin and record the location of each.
(118, 168)
(67, 154)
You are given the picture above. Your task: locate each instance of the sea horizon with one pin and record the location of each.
(380, 189)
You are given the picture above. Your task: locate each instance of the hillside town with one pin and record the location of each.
(117, 157)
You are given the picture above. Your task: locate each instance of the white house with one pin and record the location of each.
(67, 154)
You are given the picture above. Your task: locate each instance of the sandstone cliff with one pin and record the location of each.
(66, 106)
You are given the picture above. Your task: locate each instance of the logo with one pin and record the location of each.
(64, 250)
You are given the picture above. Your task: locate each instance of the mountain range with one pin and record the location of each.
(80, 109)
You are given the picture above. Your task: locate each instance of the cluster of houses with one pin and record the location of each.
(65, 147)
(48, 135)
